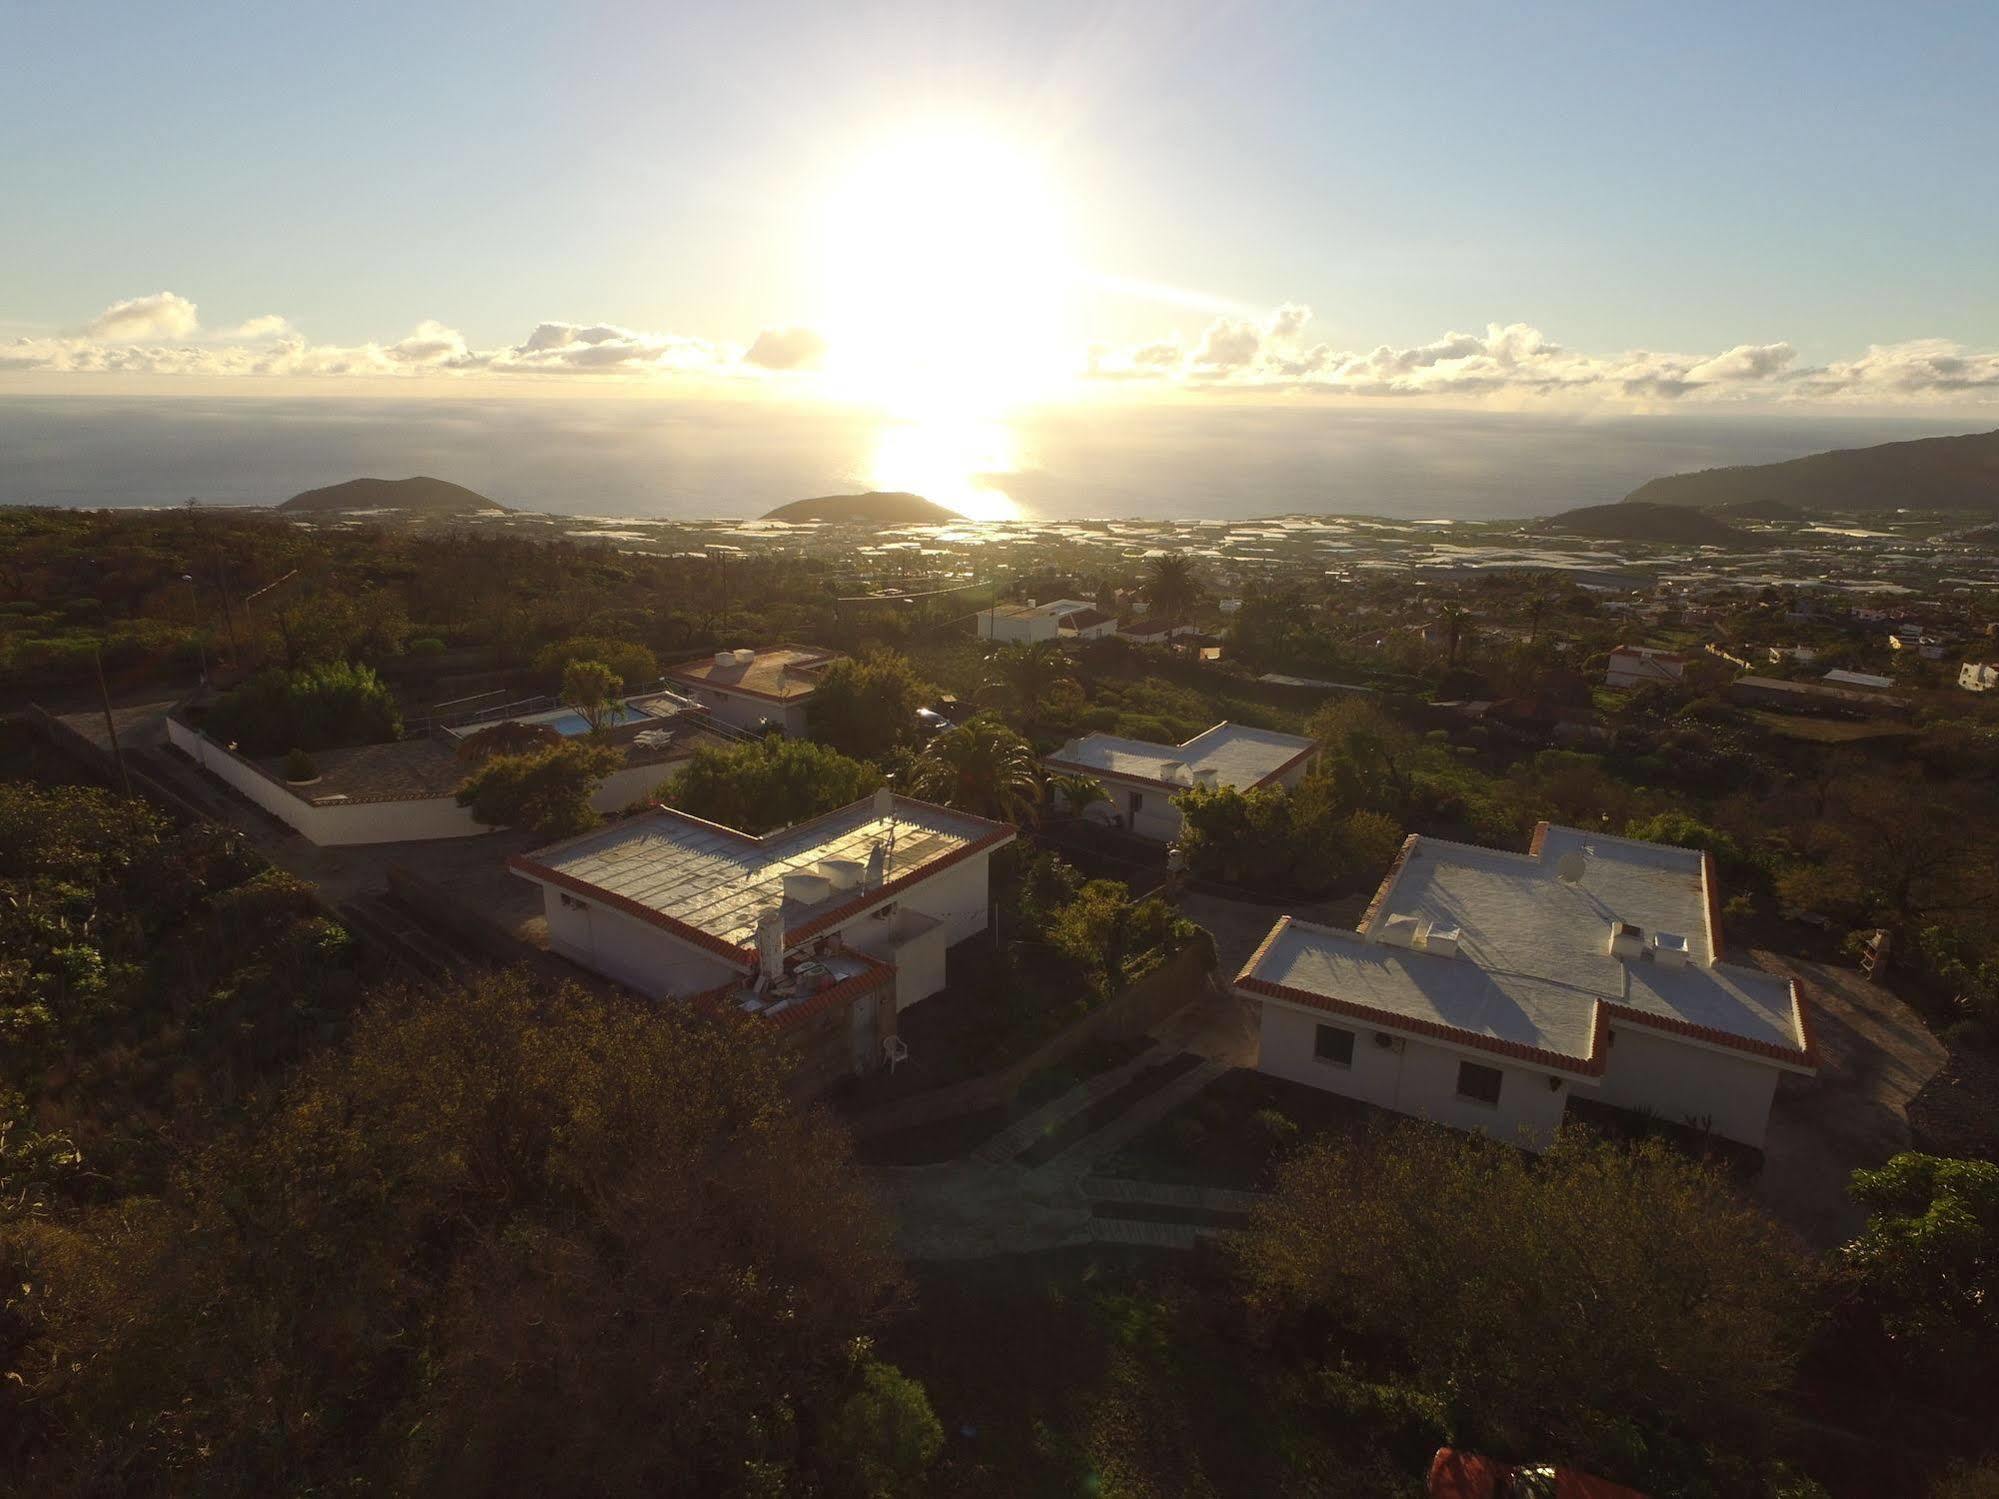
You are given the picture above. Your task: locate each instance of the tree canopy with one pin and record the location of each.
(866, 706)
(327, 706)
(771, 784)
(981, 767)
(591, 688)
(505, 1241)
(545, 790)
(1614, 1305)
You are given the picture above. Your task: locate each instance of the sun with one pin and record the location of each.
(945, 273)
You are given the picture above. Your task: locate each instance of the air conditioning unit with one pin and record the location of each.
(1387, 1041)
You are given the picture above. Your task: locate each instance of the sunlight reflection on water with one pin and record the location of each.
(960, 462)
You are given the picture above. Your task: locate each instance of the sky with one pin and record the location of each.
(946, 210)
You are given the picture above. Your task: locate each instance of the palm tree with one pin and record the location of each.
(1022, 674)
(1454, 630)
(1172, 588)
(981, 767)
(1078, 793)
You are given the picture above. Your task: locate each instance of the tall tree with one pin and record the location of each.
(1172, 587)
(981, 767)
(592, 688)
(1022, 674)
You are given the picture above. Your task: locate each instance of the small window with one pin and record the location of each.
(1479, 1084)
(1333, 1045)
(1135, 802)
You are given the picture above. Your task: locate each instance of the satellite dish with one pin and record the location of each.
(1571, 867)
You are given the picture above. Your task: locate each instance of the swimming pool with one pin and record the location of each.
(573, 723)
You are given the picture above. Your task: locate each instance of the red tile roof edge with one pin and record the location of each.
(1387, 882)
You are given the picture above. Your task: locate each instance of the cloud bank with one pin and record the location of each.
(1518, 359)
(161, 335)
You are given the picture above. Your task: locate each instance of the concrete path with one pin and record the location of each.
(990, 1203)
(1875, 1055)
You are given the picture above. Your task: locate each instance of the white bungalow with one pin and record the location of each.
(676, 907)
(1483, 988)
(747, 688)
(1058, 619)
(1143, 778)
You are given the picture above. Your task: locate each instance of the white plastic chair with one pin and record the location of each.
(896, 1050)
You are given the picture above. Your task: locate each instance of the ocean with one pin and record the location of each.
(708, 458)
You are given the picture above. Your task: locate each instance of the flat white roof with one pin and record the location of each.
(1239, 756)
(710, 884)
(1533, 962)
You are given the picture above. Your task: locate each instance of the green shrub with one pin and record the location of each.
(299, 766)
(426, 645)
(328, 706)
(1276, 1128)
(886, 1436)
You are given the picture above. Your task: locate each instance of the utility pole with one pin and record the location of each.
(110, 724)
(194, 593)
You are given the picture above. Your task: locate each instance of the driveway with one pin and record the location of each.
(1875, 1055)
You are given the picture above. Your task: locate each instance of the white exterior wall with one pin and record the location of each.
(1416, 1077)
(918, 960)
(1684, 1083)
(656, 962)
(414, 820)
(634, 952)
(1019, 629)
(746, 712)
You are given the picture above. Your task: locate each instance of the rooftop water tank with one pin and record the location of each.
(842, 874)
(807, 888)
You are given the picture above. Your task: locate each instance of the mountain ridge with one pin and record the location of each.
(1959, 474)
(421, 495)
(889, 507)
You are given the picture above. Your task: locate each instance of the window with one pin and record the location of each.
(1133, 802)
(1334, 1045)
(1479, 1084)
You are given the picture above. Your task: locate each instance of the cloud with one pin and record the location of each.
(1519, 360)
(786, 349)
(1229, 344)
(159, 335)
(268, 326)
(162, 315)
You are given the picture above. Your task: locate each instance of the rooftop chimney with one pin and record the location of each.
(1626, 940)
(1669, 949)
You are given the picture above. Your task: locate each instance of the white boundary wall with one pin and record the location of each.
(415, 820)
